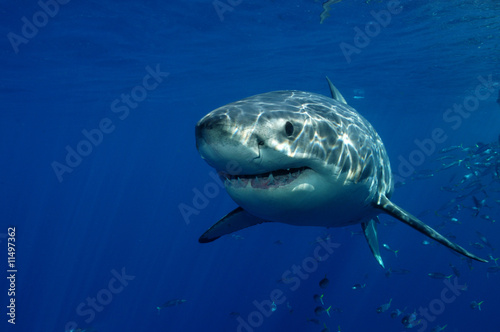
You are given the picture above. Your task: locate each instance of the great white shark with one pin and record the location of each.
(302, 159)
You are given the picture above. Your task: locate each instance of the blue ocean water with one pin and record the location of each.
(94, 181)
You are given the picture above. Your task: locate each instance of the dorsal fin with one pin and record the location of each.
(335, 92)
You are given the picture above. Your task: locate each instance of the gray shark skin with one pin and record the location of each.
(302, 159)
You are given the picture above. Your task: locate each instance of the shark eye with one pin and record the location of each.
(289, 128)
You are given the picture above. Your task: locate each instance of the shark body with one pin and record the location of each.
(302, 159)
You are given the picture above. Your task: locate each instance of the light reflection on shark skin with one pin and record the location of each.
(303, 159)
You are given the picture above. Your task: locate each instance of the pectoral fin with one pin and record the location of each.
(392, 209)
(370, 231)
(232, 222)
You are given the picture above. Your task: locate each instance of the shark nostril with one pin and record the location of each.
(260, 141)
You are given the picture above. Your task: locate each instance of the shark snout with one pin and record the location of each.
(221, 144)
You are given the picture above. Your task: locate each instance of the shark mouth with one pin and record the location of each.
(274, 179)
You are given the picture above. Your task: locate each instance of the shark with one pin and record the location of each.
(302, 159)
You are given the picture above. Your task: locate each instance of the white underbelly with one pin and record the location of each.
(310, 203)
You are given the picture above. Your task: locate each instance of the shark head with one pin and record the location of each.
(303, 159)
(289, 155)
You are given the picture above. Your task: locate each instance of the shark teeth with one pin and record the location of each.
(271, 179)
(267, 180)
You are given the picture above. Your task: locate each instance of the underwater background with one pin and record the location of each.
(106, 196)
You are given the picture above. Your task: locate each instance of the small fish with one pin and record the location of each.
(450, 236)
(234, 314)
(474, 187)
(396, 313)
(323, 283)
(479, 203)
(318, 298)
(481, 147)
(386, 247)
(358, 286)
(423, 171)
(484, 240)
(396, 271)
(448, 205)
(423, 213)
(493, 269)
(437, 275)
(237, 237)
(171, 303)
(469, 263)
(325, 328)
(451, 148)
(494, 259)
(450, 165)
(425, 242)
(438, 328)
(410, 321)
(477, 245)
(320, 310)
(326, 9)
(384, 307)
(466, 177)
(389, 222)
(289, 307)
(446, 157)
(421, 176)
(452, 177)
(313, 320)
(449, 189)
(284, 280)
(476, 305)
(487, 217)
(455, 270)
(326, 238)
